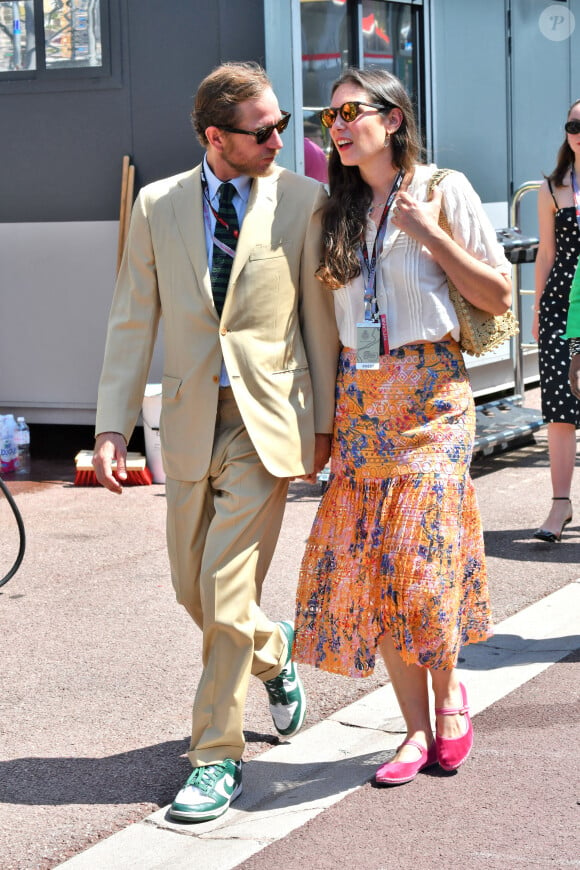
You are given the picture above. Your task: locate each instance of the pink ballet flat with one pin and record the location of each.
(453, 751)
(398, 772)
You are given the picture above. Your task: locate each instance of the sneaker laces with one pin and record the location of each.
(205, 778)
(275, 688)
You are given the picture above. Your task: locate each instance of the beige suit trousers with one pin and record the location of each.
(221, 536)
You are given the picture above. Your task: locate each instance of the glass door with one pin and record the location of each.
(361, 33)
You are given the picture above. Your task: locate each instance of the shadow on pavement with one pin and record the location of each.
(518, 545)
(284, 784)
(527, 651)
(145, 775)
(150, 774)
(531, 454)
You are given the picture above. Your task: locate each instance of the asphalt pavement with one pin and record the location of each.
(99, 666)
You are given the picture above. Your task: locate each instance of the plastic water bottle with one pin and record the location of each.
(8, 446)
(22, 437)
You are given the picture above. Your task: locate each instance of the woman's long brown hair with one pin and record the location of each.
(564, 159)
(344, 215)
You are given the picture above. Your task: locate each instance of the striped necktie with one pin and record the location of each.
(224, 245)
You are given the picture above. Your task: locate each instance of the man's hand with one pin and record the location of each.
(322, 442)
(574, 375)
(110, 446)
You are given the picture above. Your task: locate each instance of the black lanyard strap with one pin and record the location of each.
(369, 267)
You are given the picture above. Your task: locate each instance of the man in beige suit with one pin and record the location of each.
(248, 398)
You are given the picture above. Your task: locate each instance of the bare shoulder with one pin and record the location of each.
(548, 197)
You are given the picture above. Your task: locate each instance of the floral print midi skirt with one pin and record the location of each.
(396, 546)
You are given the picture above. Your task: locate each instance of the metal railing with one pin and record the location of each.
(519, 345)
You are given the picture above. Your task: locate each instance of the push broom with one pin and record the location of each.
(137, 472)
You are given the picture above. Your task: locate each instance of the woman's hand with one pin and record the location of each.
(420, 220)
(574, 375)
(322, 445)
(535, 325)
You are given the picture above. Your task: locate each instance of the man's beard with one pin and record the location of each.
(253, 169)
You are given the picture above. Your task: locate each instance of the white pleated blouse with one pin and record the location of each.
(411, 287)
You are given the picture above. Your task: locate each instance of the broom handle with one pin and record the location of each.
(128, 202)
(122, 210)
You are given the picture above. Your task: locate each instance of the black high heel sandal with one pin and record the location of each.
(554, 537)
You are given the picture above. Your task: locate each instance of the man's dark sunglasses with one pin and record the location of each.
(572, 126)
(263, 134)
(348, 112)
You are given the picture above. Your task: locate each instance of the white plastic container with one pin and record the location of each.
(151, 412)
(8, 445)
(22, 438)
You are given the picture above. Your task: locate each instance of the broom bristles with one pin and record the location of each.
(137, 472)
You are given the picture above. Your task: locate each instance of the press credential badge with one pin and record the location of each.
(368, 345)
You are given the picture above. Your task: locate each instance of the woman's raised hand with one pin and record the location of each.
(417, 219)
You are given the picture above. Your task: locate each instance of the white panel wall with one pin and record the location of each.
(56, 285)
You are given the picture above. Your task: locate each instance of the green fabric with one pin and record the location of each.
(573, 322)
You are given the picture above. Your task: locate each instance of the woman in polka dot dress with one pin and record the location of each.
(558, 254)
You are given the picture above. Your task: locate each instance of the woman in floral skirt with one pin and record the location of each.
(395, 559)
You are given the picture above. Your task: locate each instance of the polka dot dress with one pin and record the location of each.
(558, 403)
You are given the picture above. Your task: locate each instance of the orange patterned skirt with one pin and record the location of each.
(397, 543)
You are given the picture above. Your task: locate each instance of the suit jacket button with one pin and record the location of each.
(223, 331)
(216, 379)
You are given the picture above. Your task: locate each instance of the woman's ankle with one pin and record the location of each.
(408, 750)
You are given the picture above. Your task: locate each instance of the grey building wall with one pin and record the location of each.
(469, 92)
(61, 151)
(61, 148)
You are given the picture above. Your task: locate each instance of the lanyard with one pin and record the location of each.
(576, 193)
(207, 207)
(369, 267)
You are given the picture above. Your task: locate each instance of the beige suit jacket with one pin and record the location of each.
(277, 333)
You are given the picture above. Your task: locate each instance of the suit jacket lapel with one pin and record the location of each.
(188, 209)
(257, 225)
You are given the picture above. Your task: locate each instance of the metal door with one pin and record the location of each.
(544, 80)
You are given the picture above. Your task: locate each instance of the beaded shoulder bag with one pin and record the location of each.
(479, 331)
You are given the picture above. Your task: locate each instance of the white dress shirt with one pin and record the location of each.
(411, 288)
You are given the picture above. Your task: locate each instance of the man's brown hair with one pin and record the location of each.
(218, 96)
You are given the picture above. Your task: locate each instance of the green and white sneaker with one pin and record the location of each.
(286, 693)
(208, 792)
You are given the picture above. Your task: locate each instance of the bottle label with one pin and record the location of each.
(8, 456)
(8, 446)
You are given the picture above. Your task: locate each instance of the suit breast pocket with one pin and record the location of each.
(266, 288)
(267, 266)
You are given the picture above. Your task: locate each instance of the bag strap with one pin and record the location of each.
(549, 180)
(435, 179)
